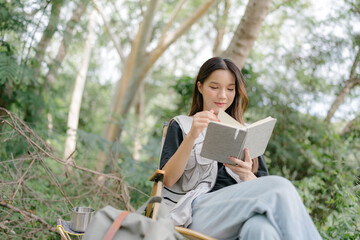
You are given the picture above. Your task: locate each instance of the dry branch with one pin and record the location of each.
(30, 215)
(24, 176)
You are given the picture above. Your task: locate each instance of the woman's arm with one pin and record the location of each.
(175, 166)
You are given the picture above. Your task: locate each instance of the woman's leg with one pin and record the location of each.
(223, 213)
(258, 227)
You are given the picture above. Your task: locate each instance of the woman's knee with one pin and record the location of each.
(278, 183)
(258, 227)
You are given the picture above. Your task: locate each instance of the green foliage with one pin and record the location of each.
(322, 164)
(8, 69)
(10, 18)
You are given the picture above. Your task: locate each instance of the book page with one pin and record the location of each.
(258, 136)
(262, 121)
(227, 119)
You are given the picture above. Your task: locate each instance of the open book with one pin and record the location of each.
(229, 138)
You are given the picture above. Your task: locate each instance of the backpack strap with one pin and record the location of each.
(115, 226)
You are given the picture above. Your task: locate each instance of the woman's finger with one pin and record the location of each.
(247, 156)
(241, 164)
(235, 160)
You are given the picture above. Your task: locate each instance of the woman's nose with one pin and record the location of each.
(222, 93)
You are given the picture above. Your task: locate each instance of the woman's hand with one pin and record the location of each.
(200, 122)
(175, 166)
(243, 168)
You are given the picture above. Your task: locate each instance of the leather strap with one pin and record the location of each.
(115, 226)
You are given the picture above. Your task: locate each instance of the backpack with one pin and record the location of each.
(111, 223)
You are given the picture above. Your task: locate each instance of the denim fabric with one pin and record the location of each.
(264, 208)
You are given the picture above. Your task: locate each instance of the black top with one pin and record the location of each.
(173, 139)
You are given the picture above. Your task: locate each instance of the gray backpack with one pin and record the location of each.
(110, 223)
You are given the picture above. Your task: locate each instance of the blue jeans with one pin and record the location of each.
(264, 208)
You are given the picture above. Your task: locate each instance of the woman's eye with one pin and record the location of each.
(231, 89)
(213, 87)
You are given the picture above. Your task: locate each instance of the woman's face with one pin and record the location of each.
(218, 90)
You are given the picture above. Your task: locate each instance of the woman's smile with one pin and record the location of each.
(220, 105)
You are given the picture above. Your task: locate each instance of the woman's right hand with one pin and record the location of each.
(175, 166)
(201, 121)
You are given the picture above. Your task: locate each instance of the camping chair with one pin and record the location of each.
(151, 211)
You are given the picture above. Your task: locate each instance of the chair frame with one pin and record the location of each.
(158, 178)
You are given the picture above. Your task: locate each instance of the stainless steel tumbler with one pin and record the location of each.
(80, 218)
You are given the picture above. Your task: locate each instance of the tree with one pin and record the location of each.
(65, 42)
(140, 61)
(348, 85)
(220, 27)
(74, 111)
(48, 33)
(351, 125)
(247, 31)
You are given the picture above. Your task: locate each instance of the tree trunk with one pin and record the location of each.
(108, 31)
(348, 85)
(220, 27)
(350, 126)
(247, 31)
(47, 35)
(65, 42)
(50, 127)
(138, 64)
(139, 110)
(74, 111)
(130, 71)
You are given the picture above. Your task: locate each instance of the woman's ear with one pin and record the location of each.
(199, 86)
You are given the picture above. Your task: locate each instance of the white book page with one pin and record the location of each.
(227, 119)
(257, 123)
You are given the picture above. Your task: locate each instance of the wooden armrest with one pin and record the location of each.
(192, 235)
(158, 175)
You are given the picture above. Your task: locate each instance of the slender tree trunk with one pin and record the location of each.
(47, 35)
(74, 111)
(139, 110)
(148, 60)
(220, 27)
(130, 71)
(348, 85)
(247, 31)
(65, 42)
(351, 125)
(138, 64)
(50, 127)
(108, 31)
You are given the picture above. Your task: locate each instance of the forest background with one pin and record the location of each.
(85, 87)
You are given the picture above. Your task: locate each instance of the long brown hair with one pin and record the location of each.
(240, 103)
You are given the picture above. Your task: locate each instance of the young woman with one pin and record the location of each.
(226, 201)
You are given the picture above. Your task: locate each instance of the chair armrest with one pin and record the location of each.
(157, 176)
(192, 235)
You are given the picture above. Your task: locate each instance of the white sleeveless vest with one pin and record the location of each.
(199, 177)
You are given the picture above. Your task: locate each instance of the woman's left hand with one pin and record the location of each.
(243, 168)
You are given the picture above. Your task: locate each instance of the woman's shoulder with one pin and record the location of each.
(182, 118)
(183, 121)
